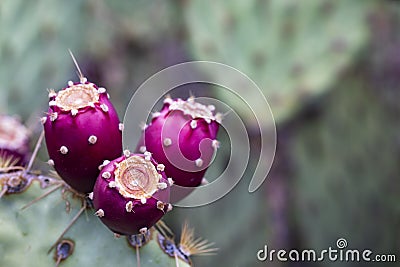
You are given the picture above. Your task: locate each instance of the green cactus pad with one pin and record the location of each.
(26, 236)
(293, 50)
(346, 172)
(36, 35)
(34, 50)
(144, 20)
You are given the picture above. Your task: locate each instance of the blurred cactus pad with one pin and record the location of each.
(36, 35)
(293, 50)
(26, 236)
(349, 186)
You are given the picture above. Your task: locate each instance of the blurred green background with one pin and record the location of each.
(329, 69)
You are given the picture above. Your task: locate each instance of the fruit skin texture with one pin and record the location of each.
(178, 136)
(14, 140)
(79, 140)
(113, 205)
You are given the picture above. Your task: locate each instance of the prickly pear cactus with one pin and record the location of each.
(26, 236)
(346, 172)
(292, 50)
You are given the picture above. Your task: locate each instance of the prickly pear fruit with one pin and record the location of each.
(82, 130)
(14, 140)
(131, 193)
(182, 137)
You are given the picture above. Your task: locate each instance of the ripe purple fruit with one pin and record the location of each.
(131, 193)
(14, 140)
(182, 137)
(82, 130)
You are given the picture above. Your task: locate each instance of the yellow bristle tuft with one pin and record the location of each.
(195, 246)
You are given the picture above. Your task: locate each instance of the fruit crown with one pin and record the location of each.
(194, 109)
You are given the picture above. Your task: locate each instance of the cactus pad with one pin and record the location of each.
(27, 235)
(291, 50)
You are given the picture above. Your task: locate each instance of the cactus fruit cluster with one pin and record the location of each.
(129, 192)
(182, 136)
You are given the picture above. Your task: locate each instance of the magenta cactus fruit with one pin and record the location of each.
(82, 130)
(131, 193)
(14, 140)
(182, 136)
